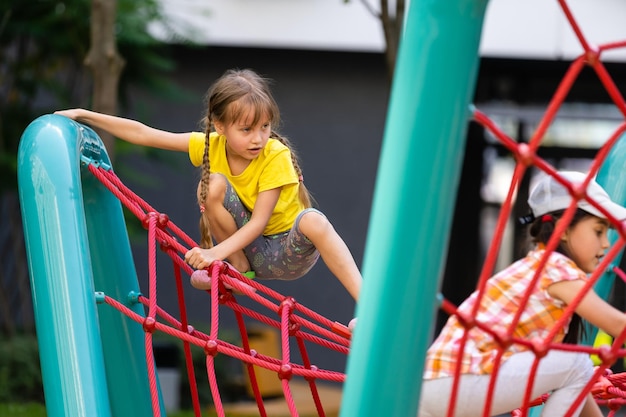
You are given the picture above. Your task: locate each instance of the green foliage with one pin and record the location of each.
(21, 382)
(20, 372)
(43, 45)
(32, 58)
(22, 410)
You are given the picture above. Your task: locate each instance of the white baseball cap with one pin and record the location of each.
(549, 195)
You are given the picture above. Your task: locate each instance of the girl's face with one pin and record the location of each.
(587, 242)
(243, 140)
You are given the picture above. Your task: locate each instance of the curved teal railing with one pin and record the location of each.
(92, 359)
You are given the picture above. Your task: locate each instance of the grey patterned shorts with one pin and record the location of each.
(286, 256)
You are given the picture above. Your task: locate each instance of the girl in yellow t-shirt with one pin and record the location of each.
(251, 192)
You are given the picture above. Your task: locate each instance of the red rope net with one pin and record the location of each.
(296, 321)
(607, 388)
(291, 318)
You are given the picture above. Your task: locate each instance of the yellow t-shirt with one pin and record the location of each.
(271, 169)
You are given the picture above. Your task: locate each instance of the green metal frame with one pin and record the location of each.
(413, 205)
(77, 246)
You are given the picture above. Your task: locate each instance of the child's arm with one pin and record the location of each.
(266, 201)
(591, 308)
(130, 130)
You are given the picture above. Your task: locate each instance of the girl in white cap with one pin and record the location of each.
(561, 373)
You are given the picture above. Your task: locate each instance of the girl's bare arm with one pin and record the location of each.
(263, 208)
(592, 308)
(130, 130)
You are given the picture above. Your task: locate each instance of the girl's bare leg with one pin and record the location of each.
(222, 223)
(333, 251)
(591, 408)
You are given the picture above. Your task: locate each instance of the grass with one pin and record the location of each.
(22, 410)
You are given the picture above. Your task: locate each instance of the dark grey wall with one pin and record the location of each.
(333, 109)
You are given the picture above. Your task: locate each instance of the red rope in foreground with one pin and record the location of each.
(607, 388)
(292, 319)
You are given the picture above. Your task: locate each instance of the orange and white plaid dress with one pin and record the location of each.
(499, 303)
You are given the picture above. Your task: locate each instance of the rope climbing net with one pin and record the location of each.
(293, 320)
(607, 387)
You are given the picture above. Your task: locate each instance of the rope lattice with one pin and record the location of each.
(296, 321)
(606, 387)
(291, 318)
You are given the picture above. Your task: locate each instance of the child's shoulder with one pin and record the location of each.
(559, 266)
(275, 146)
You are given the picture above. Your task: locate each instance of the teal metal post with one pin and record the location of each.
(413, 205)
(93, 361)
(613, 179)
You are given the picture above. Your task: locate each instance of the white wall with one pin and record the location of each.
(539, 28)
(513, 28)
(306, 24)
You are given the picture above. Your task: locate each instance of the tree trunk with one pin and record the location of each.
(392, 29)
(105, 63)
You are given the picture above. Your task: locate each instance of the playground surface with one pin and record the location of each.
(330, 396)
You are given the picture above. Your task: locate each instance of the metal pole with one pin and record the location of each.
(72, 255)
(413, 205)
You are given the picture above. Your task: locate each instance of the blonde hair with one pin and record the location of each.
(229, 100)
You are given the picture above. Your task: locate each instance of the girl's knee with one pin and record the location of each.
(215, 191)
(313, 222)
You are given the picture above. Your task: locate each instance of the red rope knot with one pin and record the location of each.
(210, 347)
(592, 56)
(222, 267)
(285, 372)
(288, 302)
(524, 154)
(145, 222)
(539, 348)
(164, 245)
(602, 387)
(311, 378)
(578, 191)
(503, 339)
(613, 405)
(606, 354)
(149, 324)
(225, 296)
(163, 220)
(293, 328)
(466, 320)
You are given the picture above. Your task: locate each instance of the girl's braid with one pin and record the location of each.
(303, 194)
(206, 240)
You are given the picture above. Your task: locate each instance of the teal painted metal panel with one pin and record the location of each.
(93, 360)
(413, 206)
(613, 179)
